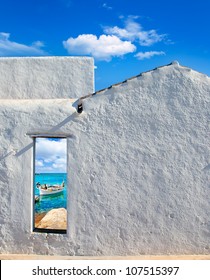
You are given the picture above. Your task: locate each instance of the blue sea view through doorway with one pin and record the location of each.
(50, 184)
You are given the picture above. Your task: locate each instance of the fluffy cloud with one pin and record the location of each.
(116, 41)
(10, 48)
(103, 48)
(144, 55)
(134, 31)
(50, 155)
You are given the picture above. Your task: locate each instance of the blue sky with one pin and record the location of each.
(125, 37)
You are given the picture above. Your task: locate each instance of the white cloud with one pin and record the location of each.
(50, 155)
(106, 6)
(39, 163)
(38, 44)
(116, 41)
(134, 31)
(10, 48)
(59, 164)
(103, 48)
(146, 55)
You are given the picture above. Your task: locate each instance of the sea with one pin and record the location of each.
(49, 202)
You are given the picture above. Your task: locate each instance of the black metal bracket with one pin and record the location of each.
(80, 107)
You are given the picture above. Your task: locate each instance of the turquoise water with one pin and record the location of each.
(47, 203)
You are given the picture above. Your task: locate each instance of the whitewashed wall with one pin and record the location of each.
(45, 77)
(138, 167)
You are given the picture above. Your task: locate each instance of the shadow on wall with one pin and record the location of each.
(206, 168)
(52, 130)
(8, 154)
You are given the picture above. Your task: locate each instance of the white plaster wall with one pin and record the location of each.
(144, 185)
(16, 166)
(46, 77)
(138, 167)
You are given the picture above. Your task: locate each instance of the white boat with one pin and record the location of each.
(49, 190)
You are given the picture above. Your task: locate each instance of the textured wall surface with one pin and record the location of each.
(46, 77)
(138, 168)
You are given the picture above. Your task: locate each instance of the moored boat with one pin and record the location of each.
(45, 189)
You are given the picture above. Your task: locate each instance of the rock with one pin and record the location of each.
(54, 219)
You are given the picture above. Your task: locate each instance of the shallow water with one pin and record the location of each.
(46, 203)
